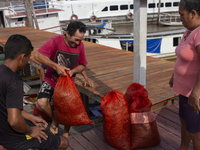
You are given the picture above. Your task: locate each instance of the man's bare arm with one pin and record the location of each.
(49, 63)
(18, 123)
(78, 69)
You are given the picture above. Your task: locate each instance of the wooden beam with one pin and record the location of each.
(28, 13)
(140, 35)
(34, 16)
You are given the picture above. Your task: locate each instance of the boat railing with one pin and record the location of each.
(169, 17)
(17, 7)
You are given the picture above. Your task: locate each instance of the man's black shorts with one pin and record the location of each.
(52, 142)
(46, 90)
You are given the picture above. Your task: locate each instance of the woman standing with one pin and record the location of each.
(186, 77)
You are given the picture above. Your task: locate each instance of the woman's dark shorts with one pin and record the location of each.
(191, 118)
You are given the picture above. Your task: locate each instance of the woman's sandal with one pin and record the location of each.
(54, 128)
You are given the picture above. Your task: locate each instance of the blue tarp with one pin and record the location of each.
(153, 45)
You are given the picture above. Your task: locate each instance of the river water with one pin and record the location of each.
(127, 28)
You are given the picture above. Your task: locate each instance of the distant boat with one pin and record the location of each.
(159, 44)
(170, 19)
(14, 15)
(93, 10)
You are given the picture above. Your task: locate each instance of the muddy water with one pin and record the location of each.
(127, 28)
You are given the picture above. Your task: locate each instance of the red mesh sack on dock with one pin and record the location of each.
(144, 131)
(132, 92)
(116, 121)
(68, 105)
(38, 111)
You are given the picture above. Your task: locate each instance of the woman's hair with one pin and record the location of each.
(74, 26)
(190, 5)
(16, 45)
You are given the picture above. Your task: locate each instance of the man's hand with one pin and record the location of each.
(38, 132)
(39, 121)
(71, 72)
(171, 81)
(89, 82)
(193, 101)
(61, 70)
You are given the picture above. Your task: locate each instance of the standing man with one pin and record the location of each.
(60, 53)
(20, 130)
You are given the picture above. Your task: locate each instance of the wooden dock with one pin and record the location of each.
(112, 69)
(109, 68)
(168, 126)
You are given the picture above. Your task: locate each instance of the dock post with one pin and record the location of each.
(85, 100)
(140, 41)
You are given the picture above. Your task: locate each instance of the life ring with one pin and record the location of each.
(93, 18)
(130, 15)
(74, 17)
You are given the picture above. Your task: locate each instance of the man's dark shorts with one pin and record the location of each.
(52, 142)
(191, 118)
(46, 91)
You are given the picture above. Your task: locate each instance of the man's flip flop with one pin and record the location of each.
(54, 128)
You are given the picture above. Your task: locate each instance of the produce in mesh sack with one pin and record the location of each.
(144, 132)
(38, 111)
(132, 92)
(68, 105)
(116, 121)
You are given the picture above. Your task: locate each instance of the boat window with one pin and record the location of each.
(105, 8)
(131, 6)
(168, 4)
(20, 19)
(176, 4)
(2, 24)
(161, 4)
(1, 50)
(123, 7)
(114, 7)
(176, 41)
(152, 5)
(93, 40)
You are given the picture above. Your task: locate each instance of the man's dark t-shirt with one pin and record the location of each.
(11, 96)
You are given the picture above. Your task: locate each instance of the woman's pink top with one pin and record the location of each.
(187, 64)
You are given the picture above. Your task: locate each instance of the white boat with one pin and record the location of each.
(159, 44)
(93, 10)
(14, 15)
(170, 19)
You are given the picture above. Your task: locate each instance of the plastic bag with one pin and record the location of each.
(116, 121)
(144, 132)
(68, 105)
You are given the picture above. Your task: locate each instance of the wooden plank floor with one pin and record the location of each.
(168, 126)
(109, 68)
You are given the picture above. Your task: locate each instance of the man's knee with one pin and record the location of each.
(43, 102)
(64, 143)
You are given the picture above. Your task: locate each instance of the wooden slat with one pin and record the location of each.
(74, 144)
(84, 142)
(96, 141)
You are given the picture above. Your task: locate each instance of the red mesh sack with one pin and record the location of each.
(134, 91)
(68, 105)
(38, 111)
(144, 131)
(116, 121)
